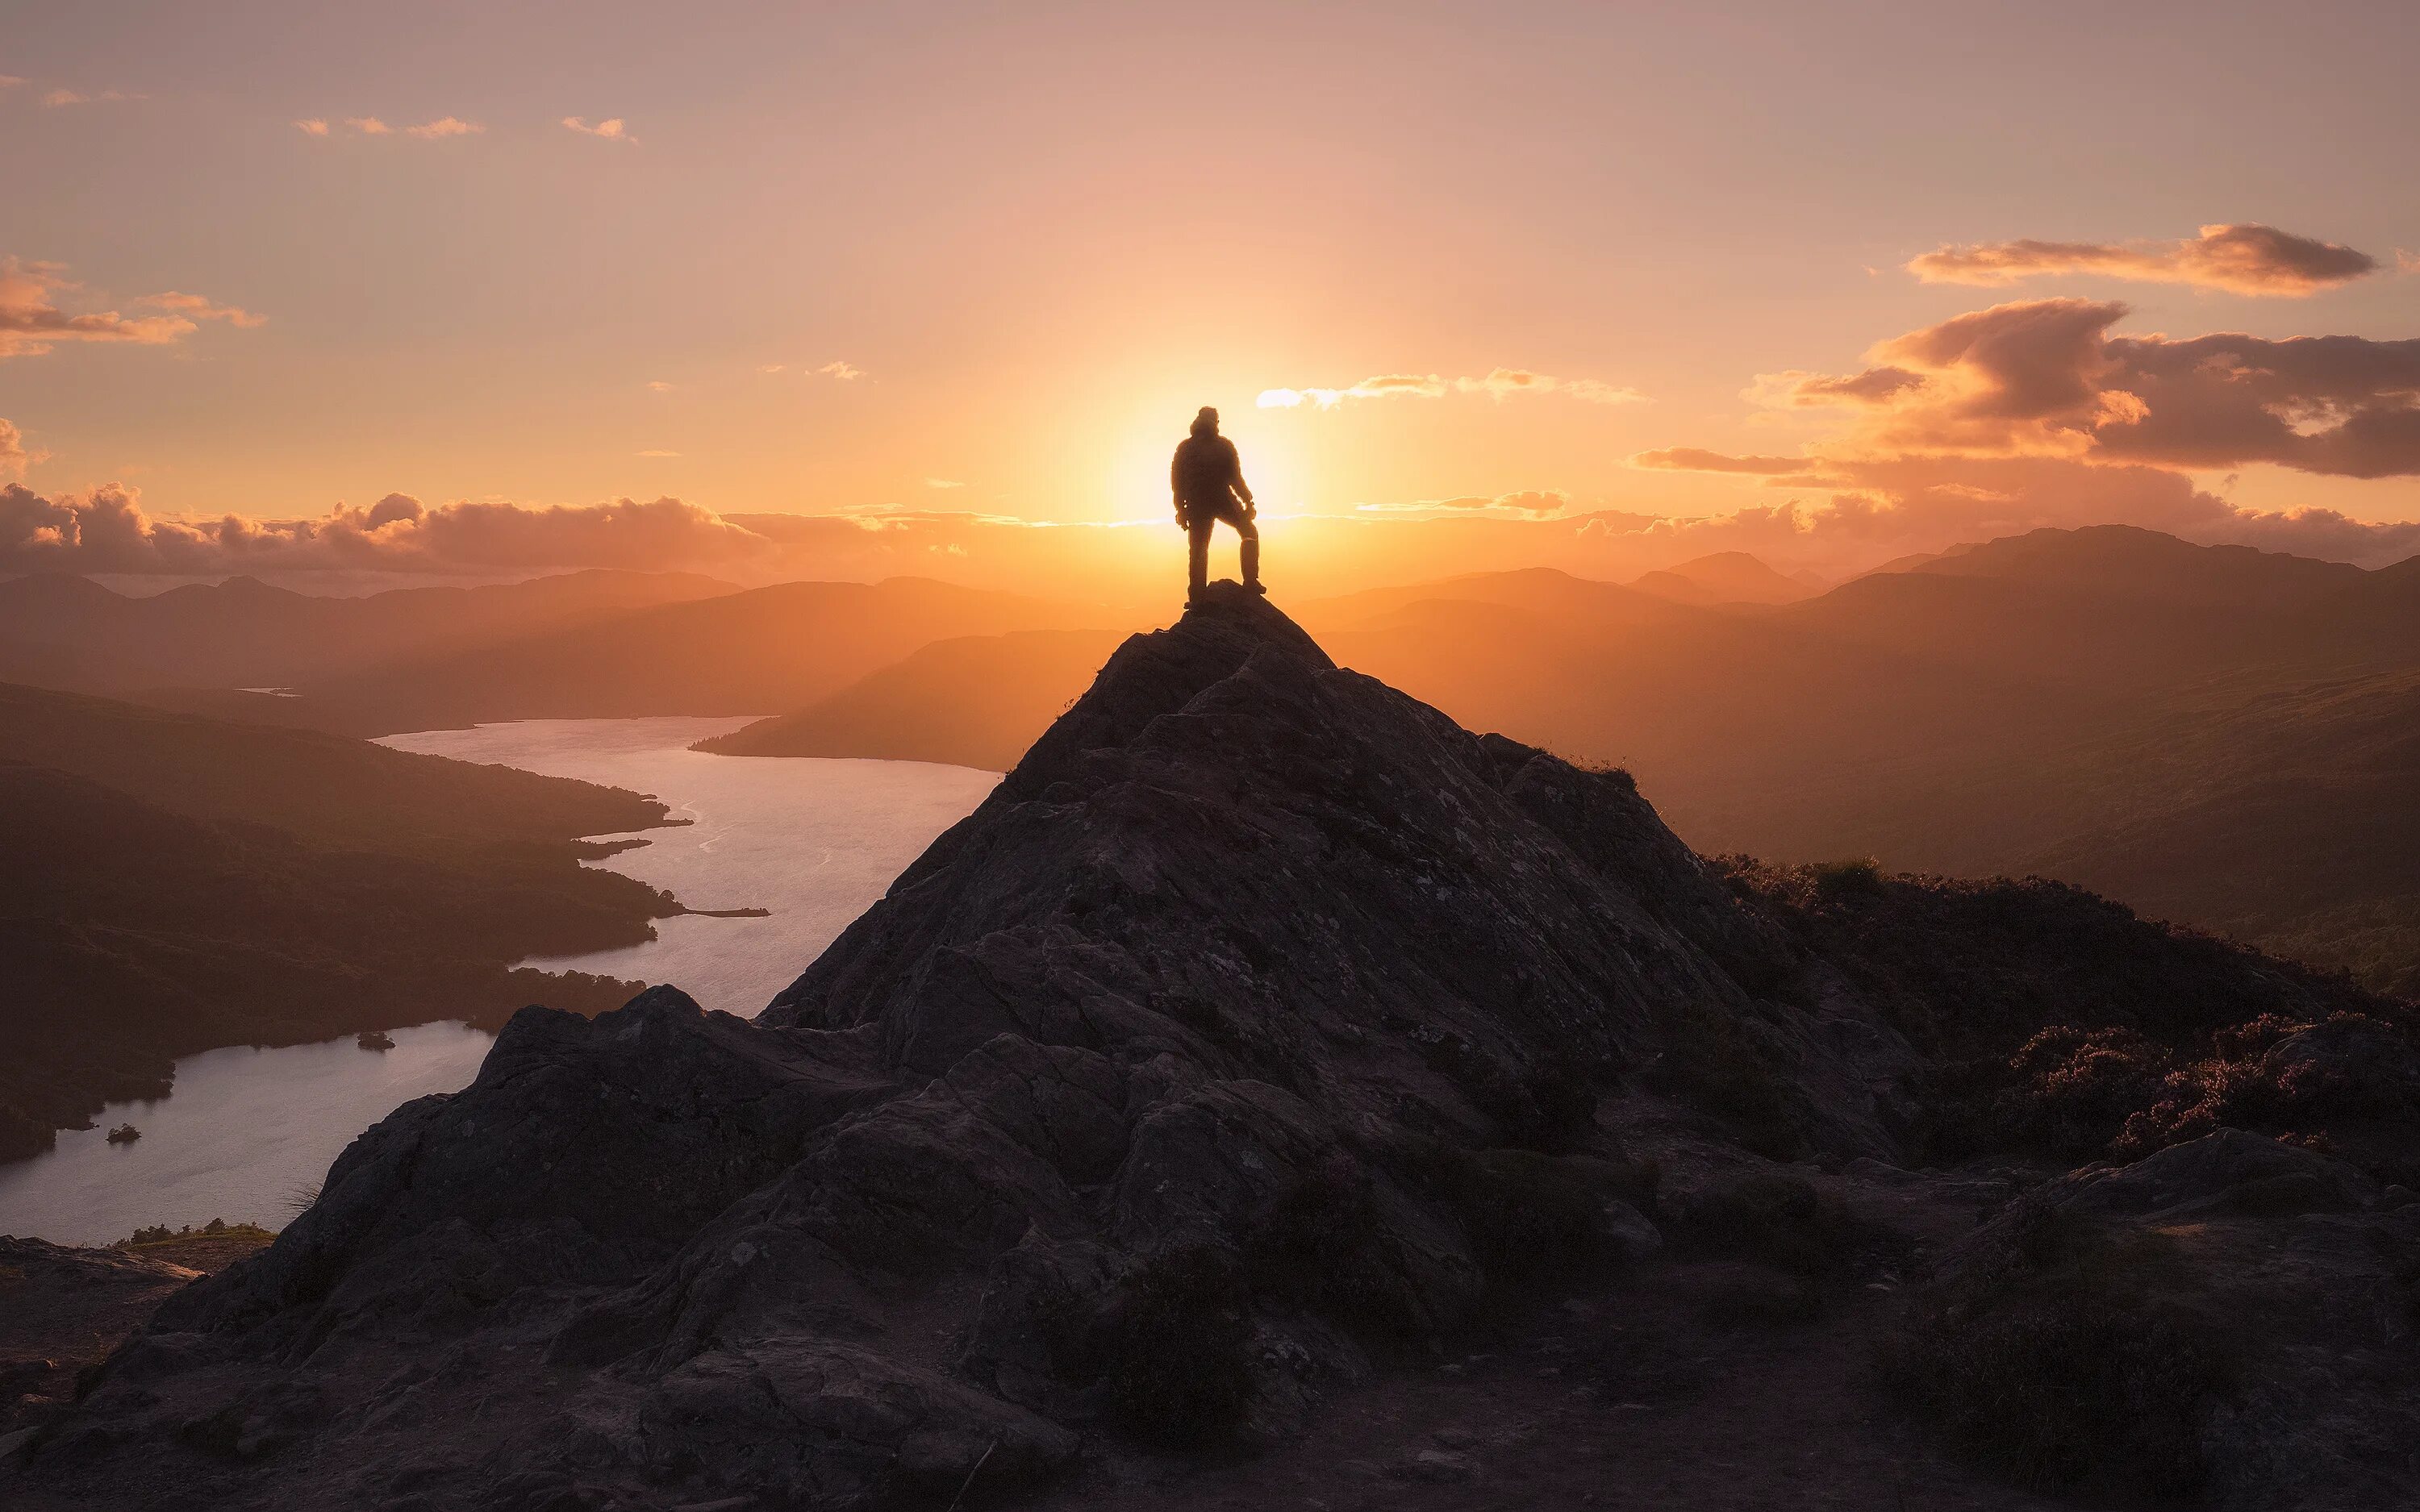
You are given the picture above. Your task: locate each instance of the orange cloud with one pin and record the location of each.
(442, 126)
(1499, 383)
(1696, 459)
(614, 130)
(14, 455)
(843, 371)
(71, 96)
(1529, 502)
(202, 309)
(2245, 258)
(2044, 378)
(106, 530)
(313, 125)
(31, 324)
(369, 126)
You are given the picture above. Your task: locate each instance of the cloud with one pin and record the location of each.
(1499, 383)
(106, 530)
(1532, 502)
(2245, 258)
(69, 96)
(1505, 381)
(14, 455)
(614, 129)
(444, 126)
(652, 452)
(202, 309)
(2033, 414)
(1795, 390)
(943, 483)
(11, 81)
(1694, 459)
(31, 324)
(842, 371)
(659, 386)
(2045, 377)
(770, 367)
(1881, 507)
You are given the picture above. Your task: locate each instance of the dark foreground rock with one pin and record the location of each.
(1262, 1034)
(63, 1309)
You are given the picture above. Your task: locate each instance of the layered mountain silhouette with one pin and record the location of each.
(2212, 734)
(972, 701)
(744, 653)
(1723, 577)
(1262, 1032)
(170, 884)
(71, 633)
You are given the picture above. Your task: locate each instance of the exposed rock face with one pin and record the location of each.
(1262, 1022)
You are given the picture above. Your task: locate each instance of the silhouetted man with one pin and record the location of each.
(1208, 481)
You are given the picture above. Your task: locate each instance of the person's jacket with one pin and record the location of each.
(1207, 475)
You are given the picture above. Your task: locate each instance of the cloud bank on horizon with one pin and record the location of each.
(2022, 415)
(2033, 413)
(2245, 258)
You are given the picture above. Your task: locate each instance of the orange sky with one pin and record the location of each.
(983, 260)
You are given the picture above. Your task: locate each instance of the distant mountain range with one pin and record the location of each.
(2219, 735)
(2214, 734)
(768, 649)
(72, 633)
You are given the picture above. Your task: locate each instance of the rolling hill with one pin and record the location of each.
(69, 632)
(767, 649)
(2215, 734)
(169, 884)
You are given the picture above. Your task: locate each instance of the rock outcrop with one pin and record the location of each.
(1261, 1025)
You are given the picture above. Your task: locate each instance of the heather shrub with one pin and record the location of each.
(2061, 1387)
(1859, 876)
(2076, 1089)
(2057, 1363)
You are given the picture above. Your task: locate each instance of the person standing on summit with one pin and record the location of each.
(1208, 481)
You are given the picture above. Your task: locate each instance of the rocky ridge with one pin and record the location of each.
(1261, 1033)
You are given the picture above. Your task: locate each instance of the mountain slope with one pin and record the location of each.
(131, 935)
(767, 649)
(1723, 577)
(975, 700)
(1262, 1032)
(170, 884)
(58, 631)
(332, 789)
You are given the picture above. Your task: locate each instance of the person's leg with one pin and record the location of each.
(1250, 534)
(1197, 544)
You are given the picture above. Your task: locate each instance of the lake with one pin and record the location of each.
(811, 841)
